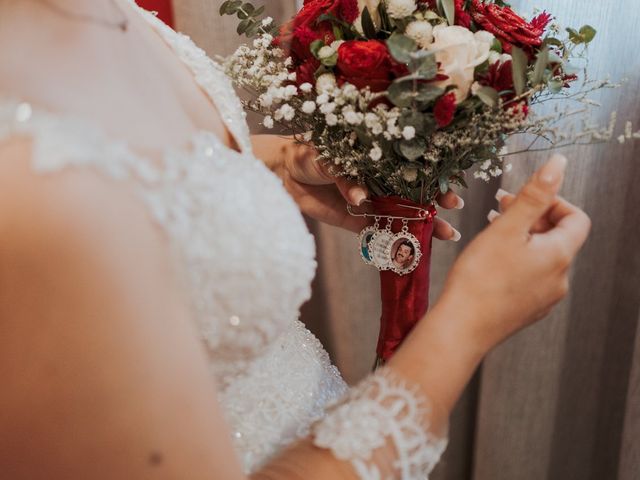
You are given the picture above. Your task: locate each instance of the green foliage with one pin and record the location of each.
(449, 9)
(413, 149)
(368, 26)
(401, 47)
(519, 67)
(540, 66)
(250, 17)
(585, 35)
(489, 96)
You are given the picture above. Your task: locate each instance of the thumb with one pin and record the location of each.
(537, 196)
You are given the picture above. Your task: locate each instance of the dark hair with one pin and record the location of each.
(408, 244)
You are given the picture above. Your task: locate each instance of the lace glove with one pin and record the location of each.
(382, 428)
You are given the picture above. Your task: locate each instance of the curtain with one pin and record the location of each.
(561, 400)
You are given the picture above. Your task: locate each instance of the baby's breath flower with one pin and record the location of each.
(401, 8)
(421, 31)
(375, 153)
(309, 107)
(306, 87)
(409, 132)
(268, 122)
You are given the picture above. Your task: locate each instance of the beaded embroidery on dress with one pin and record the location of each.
(274, 378)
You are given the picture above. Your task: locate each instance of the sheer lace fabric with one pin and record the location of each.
(382, 428)
(247, 260)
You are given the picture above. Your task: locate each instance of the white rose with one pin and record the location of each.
(459, 52)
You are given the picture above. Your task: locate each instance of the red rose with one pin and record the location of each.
(510, 28)
(365, 64)
(462, 16)
(445, 109)
(297, 35)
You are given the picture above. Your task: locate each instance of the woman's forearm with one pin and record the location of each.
(440, 356)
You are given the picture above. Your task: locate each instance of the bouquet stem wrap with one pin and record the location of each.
(405, 299)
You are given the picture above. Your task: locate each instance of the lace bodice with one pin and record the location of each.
(247, 260)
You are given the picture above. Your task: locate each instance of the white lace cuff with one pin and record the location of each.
(382, 428)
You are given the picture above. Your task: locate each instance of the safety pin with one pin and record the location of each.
(422, 213)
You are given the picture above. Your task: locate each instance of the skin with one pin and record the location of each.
(403, 255)
(101, 374)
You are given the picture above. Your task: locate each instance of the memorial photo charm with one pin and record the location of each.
(403, 253)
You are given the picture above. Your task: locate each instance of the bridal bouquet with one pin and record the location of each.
(405, 96)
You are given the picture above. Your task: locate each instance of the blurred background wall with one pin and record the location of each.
(560, 401)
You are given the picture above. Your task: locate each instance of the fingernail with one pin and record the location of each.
(500, 194)
(460, 204)
(493, 215)
(358, 195)
(552, 172)
(456, 235)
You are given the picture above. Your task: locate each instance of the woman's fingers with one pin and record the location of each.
(450, 200)
(572, 227)
(536, 197)
(443, 230)
(351, 191)
(505, 200)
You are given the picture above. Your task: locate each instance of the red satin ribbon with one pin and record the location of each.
(163, 7)
(405, 299)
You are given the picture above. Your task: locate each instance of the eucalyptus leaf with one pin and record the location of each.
(555, 86)
(401, 93)
(541, 65)
(575, 36)
(243, 26)
(588, 33)
(553, 41)
(449, 8)
(414, 148)
(519, 67)
(424, 64)
(401, 47)
(412, 118)
(488, 95)
(428, 93)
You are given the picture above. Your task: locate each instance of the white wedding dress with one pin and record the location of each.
(248, 260)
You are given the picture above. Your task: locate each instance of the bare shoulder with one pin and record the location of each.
(76, 209)
(100, 369)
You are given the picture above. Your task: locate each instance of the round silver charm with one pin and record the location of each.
(403, 253)
(379, 247)
(364, 246)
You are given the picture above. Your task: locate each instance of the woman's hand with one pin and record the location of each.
(515, 271)
(323, 196)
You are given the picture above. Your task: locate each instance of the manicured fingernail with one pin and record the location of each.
(552, 172)
(493, 215)
(459, 204)
(500, 194)
(456, 235)
(358, 195)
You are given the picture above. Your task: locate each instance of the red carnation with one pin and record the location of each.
(305, 73)
(445, 109)
(349, 10)
(500, 77)
(510, 28)
(365, 64)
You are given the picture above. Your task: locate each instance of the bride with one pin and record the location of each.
(151, 272)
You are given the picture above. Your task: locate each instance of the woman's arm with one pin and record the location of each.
(101, 373)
